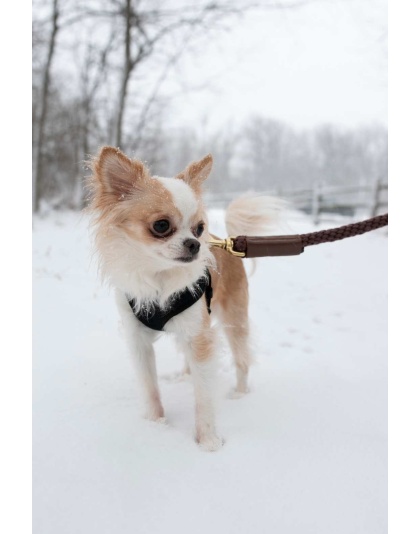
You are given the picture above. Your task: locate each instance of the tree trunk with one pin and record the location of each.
(37, 177)
(128, 66)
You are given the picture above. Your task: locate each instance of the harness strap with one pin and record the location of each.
(156, 318)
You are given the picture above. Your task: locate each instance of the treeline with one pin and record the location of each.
(265, 154)
(98, 71)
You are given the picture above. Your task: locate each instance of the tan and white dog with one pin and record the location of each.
(151, 236)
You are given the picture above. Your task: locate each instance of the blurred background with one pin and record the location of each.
(290, 97)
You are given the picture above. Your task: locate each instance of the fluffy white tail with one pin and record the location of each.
(253, 215)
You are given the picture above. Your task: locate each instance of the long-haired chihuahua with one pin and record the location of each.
(151, 236)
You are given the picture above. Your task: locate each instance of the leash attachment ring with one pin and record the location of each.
(227, 244)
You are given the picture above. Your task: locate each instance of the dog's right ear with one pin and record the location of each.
(117, 174)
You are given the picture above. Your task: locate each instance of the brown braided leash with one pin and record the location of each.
(291, 245)
(350, 230)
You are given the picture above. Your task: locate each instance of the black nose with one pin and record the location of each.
(192, 245)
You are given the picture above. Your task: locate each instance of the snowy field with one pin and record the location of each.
(306, 450)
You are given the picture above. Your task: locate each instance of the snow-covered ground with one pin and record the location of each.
(306, 450)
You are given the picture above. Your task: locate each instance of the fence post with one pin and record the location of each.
(376, 197)
(316, 202)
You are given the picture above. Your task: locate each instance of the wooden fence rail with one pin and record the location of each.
(322, 198)
(344, 200)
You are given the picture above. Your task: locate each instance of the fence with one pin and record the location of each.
(323, 199)
(343, 200)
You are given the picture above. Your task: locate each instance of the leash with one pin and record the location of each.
(292, 245)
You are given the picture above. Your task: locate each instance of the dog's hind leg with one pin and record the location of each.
(236, 328)
(231, 299)
(237, 336)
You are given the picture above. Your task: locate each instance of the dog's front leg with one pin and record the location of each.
(145, 363)
(201, 358)
(140, 341)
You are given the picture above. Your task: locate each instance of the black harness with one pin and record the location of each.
(156, 318)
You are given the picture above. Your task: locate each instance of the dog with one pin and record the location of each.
(151, 236)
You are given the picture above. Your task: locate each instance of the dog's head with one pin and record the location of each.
(159, 222)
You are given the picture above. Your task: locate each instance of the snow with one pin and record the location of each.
(305, 451)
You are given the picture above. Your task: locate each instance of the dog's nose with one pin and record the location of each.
(192, 245)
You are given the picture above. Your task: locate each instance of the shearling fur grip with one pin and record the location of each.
(257, 247)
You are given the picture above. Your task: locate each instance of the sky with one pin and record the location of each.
(322, 63)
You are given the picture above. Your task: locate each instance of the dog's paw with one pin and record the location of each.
(157, 420)
(161, 421)
(237, 394)
(210, 443)
(174, 378)
(157, 415)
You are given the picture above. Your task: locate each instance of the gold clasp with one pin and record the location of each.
(226, 244)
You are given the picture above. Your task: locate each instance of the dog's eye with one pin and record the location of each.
(199, 230)
(161, 227)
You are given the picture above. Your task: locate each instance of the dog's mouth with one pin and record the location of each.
(186, 259)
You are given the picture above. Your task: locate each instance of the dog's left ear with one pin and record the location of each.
(196, 172)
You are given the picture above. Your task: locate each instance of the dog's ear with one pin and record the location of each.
(117, 174)
(196, 172)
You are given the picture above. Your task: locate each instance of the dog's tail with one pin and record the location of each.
(253, 215)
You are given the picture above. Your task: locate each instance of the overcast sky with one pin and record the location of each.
(326, 62)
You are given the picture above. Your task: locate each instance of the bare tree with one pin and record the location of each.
(119, 68)
(44, 103)
(93, 73)
(145, 29)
